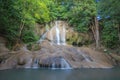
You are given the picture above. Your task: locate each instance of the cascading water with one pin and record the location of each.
(64, 64)
(55, 63)
(60, 35)
(86, 58)
(42, 37)
(57, 34)
(63, 36)
(53, 66)
(35, 63)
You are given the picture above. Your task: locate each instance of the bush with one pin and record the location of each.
(109, 35)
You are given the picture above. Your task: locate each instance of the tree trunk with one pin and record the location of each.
(21, 29)
(97, 32)
(119, 31)
(18, 40)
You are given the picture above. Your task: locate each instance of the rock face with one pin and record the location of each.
(62, 33)
(57, 34)
(77, 39)
(76, 57)
(56, 56)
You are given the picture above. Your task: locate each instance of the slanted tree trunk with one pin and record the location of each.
(95, 31)
(21, 29)
(18, 40)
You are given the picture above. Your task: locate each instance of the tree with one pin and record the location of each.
(18, 18)
(109, 12)
(83, 16)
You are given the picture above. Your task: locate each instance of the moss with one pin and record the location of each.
(78, 39)
(33, 47)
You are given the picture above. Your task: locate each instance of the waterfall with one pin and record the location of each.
(86, 58)
(63, 37)
(55, 63)
(42, 38)
(64, 64)
(53, 66)
(57, 34)
(35, 63)
(60, 33)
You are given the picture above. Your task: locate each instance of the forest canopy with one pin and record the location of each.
(18, 18)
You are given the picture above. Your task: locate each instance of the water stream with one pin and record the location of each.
(57, 33)
(42, 38)
(63, 64)
(63, 37)
(35, 64)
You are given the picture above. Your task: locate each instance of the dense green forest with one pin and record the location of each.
(100, 17)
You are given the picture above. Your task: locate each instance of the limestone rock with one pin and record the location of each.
(51, 55)
(62, 33)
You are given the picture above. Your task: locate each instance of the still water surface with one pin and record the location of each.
(49, 74)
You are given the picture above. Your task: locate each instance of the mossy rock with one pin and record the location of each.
(33, 47)
(78, 39)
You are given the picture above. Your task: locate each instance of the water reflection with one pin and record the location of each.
(77, 74)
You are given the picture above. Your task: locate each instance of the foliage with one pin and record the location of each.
(109, 13)
(58, 10)
(109, 9)
(18, 18)
(81, 14)
(28, 36)
(109, 35)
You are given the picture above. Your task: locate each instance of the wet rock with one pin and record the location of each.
(76, 57)
(65, 33)
(57, 56)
